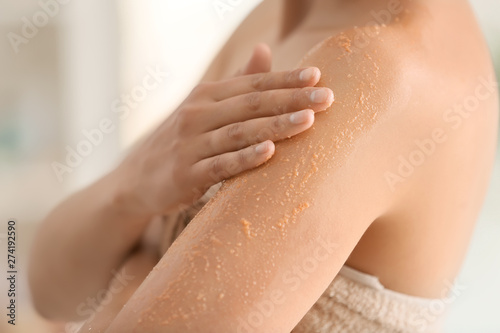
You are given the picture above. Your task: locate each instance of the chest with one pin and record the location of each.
(286, 53)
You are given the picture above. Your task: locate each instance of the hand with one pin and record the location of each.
(221, 129)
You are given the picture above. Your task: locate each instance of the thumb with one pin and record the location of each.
(260, 62)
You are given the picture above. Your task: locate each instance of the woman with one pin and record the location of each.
(359, 224)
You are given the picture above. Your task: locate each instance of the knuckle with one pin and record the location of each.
(253, 101)
(176, 146)
(297, 95)
(277, 124)
(258, 81)
(280, 109)
(212, 142)
(179, 172)
(233, 167)
(201, 88)
(235, 132)
(291, 76)
(242, 157)
(184, 119)
(265, 133)
(216, 165)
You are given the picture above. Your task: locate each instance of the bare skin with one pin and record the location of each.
(405, 255)
(332, 189)
(210, 132)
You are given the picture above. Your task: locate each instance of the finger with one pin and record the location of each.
(298, 78)
(264, 104)
(217, 168)
(260, 62)
(237, 136)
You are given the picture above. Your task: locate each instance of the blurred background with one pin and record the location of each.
(84, 62)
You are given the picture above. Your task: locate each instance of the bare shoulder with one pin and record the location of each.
(412, 60)
(367, 77)
(419, 117)
(410, 82)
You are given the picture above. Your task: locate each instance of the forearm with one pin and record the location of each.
(130, 276)
(78, 247)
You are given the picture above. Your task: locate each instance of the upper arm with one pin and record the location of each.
(264, 249)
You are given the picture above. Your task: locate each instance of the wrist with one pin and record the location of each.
(121, 200)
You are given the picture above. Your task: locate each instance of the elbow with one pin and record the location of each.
(42, 306)
(39, 293)
(49, 305)
(46, 298)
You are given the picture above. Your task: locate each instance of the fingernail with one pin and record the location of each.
(307, 74)
(261, 148)
(320, 95)
(299, 117)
